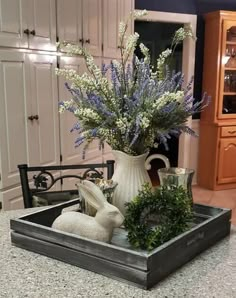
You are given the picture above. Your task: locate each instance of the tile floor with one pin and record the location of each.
(222, 198)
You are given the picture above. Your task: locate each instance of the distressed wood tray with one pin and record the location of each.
(118, 260)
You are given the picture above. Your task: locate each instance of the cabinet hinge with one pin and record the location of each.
(57, 39)
(58, 64)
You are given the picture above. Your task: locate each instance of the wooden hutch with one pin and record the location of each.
(217, 143)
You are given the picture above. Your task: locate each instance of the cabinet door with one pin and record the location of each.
(125, 8)
(227, 90)
(42, 24)
(227, 164)
(70, 154)
(13, 116)
(114, 11)
(92, 26)
(107, 150)
(44, 129)
(13, 23)
(69, 21)
(12, 199)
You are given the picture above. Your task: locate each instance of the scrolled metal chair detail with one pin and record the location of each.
(45, 179)
(40, 180)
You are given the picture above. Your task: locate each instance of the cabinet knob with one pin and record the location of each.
(87, 40)
(26, 31)
(33, 32)
(81, 40)
(33, 117)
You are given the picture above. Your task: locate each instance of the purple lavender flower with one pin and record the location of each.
(77, 127)
(133, 90)
(76, 93)
(137, 130)
(115, 79)
(105, 68)
(79, 141)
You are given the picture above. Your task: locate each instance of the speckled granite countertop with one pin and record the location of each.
(27, 274)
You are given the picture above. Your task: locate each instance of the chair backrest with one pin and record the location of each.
(44, 179)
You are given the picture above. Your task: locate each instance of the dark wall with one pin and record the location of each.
(204, 6)
(179, 6)
(198, 7)
(186, 6)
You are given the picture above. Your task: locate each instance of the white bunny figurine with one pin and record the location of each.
(99, 227)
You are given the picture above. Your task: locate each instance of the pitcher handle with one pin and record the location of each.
(156, 156)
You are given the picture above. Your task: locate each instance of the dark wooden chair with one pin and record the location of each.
(45, 178)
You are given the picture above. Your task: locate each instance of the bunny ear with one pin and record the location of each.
(92, 194)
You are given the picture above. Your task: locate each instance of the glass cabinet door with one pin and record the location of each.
(227, 92)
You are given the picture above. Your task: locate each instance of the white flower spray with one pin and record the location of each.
(137, 106)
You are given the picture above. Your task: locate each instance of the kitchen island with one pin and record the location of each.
(27, 274)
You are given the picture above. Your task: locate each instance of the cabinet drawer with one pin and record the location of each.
(228, 131)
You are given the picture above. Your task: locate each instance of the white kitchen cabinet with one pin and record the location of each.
(14, 139)
(107, 150)
(115, 11)
(69, 21)
(80, 22)
(44, 131)
(13, 23)
(29, 130)
(42, 24)
(28, 24)
(93, 24)
(12, 198)
(69, 153)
